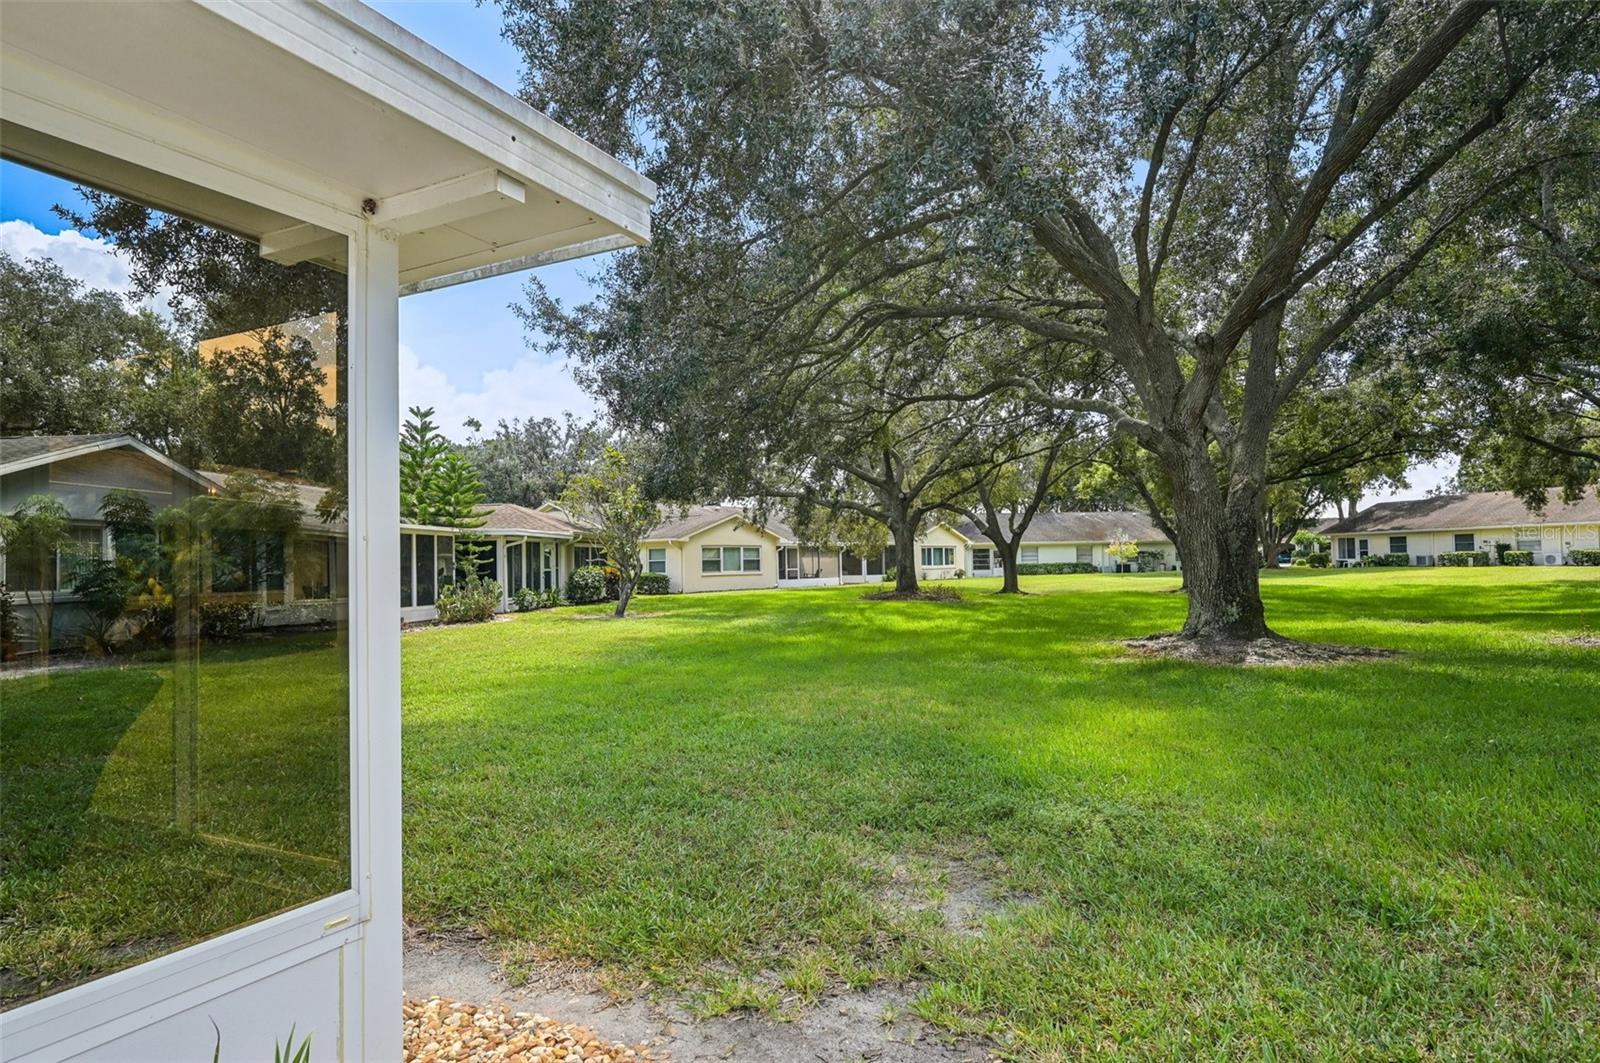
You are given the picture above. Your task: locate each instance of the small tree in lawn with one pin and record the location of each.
(1121, 548)
(610, 497)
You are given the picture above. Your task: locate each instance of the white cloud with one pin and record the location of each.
(88, 259)
(529, 388)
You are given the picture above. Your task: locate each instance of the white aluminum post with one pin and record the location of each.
(375, 372)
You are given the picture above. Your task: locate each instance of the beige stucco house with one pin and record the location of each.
(1424, 528)
(1076, 538)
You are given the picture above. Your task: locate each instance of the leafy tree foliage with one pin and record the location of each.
(1178, 214)
(529, 462)
(1513, 325)
(611, 498)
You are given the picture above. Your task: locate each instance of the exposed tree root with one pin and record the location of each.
(936, 594)
(1273, 651)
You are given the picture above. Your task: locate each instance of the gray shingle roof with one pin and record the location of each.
(508, 516)
(680, 523)
(1482, 509)
(1086, 527)
(26, 448)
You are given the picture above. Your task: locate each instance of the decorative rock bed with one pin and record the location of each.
(450, 1031)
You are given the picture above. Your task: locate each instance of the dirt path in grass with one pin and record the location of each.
(840, 1028)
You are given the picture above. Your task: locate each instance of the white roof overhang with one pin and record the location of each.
(331, 103)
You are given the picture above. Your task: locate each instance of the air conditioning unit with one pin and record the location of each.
(1549, 559)
(1424, 559)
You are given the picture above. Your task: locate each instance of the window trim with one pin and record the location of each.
(943, 551)
(1472, 541)
(650, 559)
(1402, 540)
(721, 553)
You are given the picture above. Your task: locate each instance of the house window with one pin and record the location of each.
(245, 561)
(1397, 544)
(425, 570)
(1030, 555)
(1465, 541)
(1084, 555)
(1347, 549)
(656, 559)
(444, 561)
(549, 566)
(1528, 539)
(54, 570)
(583, 556)
(730, 559)
(938, 556)
(981, 559)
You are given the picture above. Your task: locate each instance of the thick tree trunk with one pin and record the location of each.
(904, 530)
(1008, 573)
(1221, 561)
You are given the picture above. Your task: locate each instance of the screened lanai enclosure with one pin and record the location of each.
(199, 692)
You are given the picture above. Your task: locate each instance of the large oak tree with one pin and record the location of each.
(1194, 207)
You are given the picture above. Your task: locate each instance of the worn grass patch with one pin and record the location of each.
(1385, 859)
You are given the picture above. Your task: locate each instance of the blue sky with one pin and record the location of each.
(462, 350)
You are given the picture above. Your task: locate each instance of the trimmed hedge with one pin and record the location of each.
(1320, 559)
(1516, 557)
(1055, 568)
(1386, 561)
(1463, 558)
(586, 585)
(1583, 557)
(652, 583)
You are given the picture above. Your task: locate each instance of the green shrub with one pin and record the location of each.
(1386, 561)
(1320, 559)
(526, 599)
(1463, 558)
(469, 601)
(1583, 557)
(1299, 562)
(653, 583)
(1516, 557)
(1055, 568)
(586, 585)
(1150, 560)
(225, 621)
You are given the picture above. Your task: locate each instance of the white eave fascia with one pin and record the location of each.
(520, 533)
(361, 48)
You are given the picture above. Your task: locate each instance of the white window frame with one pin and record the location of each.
(651, 560)
(946, 554)
(746, 554)
(987, 554)
(1030, 556)
(1083, 555)
(1402, 540)
(1472, 541)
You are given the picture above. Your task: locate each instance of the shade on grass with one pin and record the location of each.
(1389, 858)
(98, 872)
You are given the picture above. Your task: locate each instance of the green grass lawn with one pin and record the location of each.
(1386, 859)
(96, 871)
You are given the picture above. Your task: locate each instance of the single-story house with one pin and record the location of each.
(1081, 538)
(1424, 528)
(721, 547)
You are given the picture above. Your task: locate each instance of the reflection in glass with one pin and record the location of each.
(174, 696)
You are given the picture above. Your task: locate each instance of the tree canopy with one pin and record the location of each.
(1175, 217)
